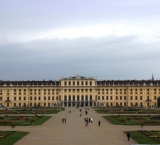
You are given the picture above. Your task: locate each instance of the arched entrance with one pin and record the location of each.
(158, 102)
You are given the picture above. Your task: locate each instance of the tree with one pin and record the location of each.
(13, 126)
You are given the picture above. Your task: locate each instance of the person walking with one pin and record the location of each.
(99, 123)
(91, 120)
(128, 136)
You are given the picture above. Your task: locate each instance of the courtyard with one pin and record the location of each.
(74, 131)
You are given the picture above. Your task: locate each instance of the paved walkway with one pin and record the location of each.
(74, 132)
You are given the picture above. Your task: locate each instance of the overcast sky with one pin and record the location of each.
(106, 39)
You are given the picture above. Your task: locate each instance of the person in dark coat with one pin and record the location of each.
(99, 123)
(128, 136)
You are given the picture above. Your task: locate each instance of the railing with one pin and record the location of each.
(148, 100)
(7, 100)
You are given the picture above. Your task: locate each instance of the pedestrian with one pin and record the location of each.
(63, 120)
(86, 122)
(99, 123)
(91, 120)
(128, 136)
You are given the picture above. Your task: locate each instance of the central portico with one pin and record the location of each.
(78, 90)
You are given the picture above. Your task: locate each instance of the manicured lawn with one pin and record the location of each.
(133, 119)
(125, 110)
(30, 111)
(12, 138)
(23, 120)
(42, 120)
(141, 138)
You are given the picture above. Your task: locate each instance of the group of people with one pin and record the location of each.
(88, 120)
(64, 120)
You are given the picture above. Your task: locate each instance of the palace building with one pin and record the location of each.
(78, 90)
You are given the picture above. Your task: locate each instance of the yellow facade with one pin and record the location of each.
(84, 91)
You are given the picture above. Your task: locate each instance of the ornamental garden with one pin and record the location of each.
(135, 116)
(22, 116)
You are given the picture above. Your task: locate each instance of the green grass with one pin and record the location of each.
(23, 122)
(132, 120)
(31, 111)
(42, 120)
(140, 138)
(12, 138)
(125, 110)
(113, 120)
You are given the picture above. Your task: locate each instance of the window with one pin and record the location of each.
(120, 97)
(73, 98)
(124, 97)
(65, 98)
(65, 83)
(106, 97)
(82, 83)
(52, 98)
(116, 97)
(73, 83)
(24, 98)
(44, 98)
(69, 83)
(140, 97)
(34, 98)
(77, 98)
(110, 97)
(130, 97)
(30, 98)
(136, 98)
(48, 98)
(56, 98)
(90, 97)
(39, 98)
(78, 83)
(155, 98)
(86, 83)
(98, 97)
(14, 98)
(102, 97)
(90, 83)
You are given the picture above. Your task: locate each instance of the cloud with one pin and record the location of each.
(105, 57)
